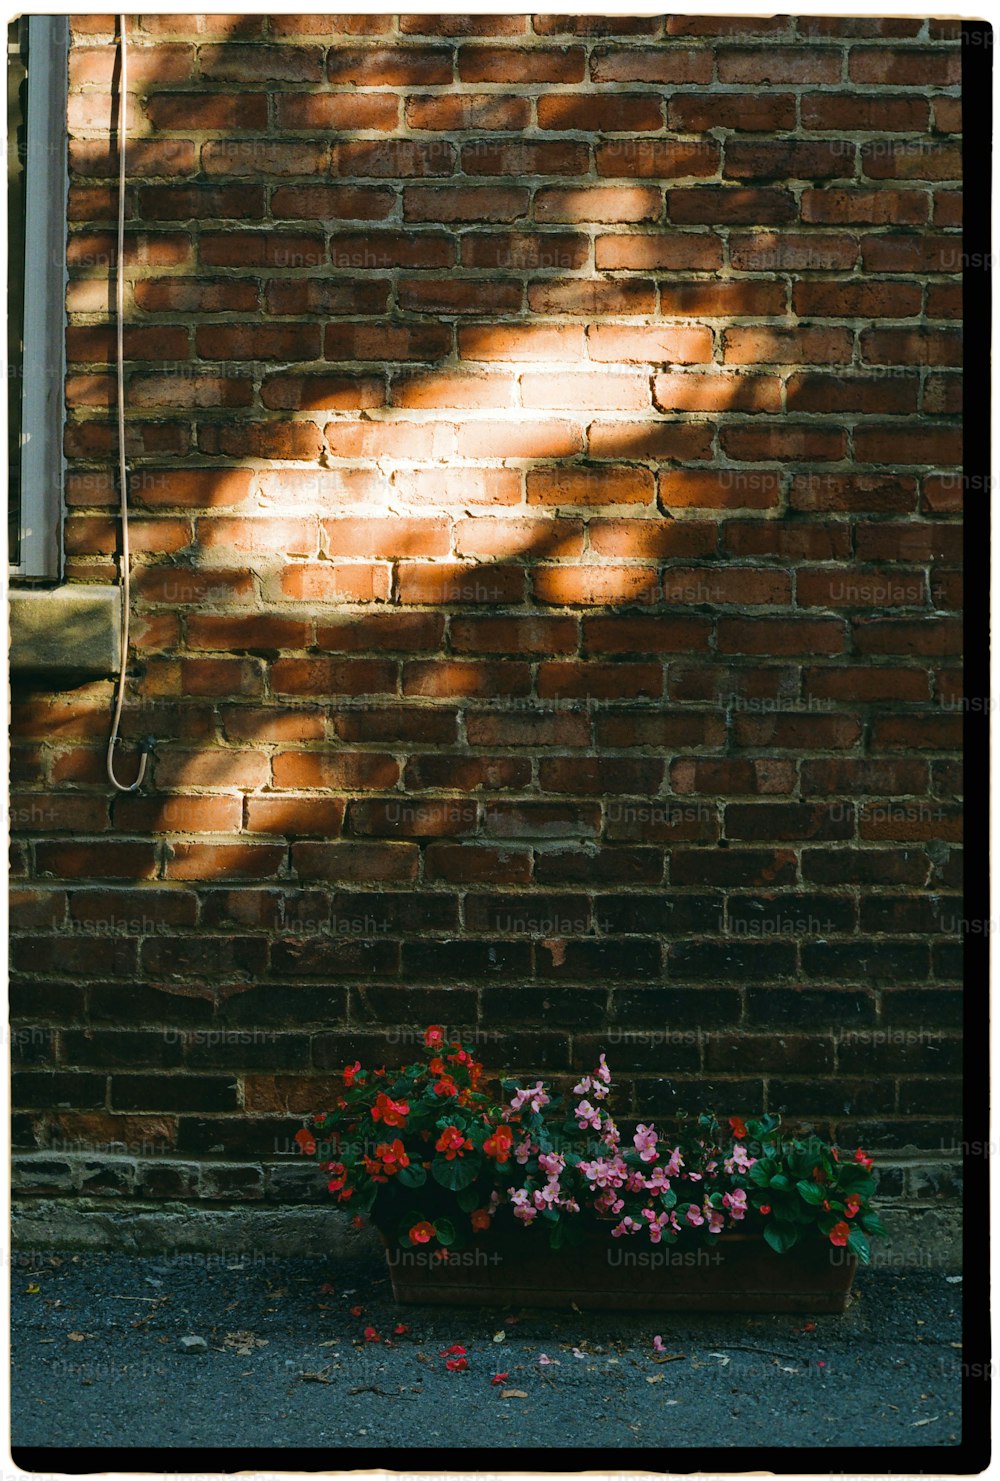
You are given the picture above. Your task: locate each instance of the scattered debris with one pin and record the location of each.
(193, 1344)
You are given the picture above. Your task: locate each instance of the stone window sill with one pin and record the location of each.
(65, 630)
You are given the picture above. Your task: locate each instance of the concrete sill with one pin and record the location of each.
(65, 630)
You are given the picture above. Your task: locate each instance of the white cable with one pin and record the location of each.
(122, 469)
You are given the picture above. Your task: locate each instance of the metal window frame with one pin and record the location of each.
(45, 276)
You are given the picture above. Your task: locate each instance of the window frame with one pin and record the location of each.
(43, 360)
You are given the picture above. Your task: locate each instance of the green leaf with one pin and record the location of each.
(445, 1231)
(872, 1224)
(781, 1182)
(781, 1236)
(458, 1173)
(811, 1192)
(468, 1199)
(858, 1245)
(413, 1176)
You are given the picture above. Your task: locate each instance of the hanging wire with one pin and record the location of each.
(122, 467)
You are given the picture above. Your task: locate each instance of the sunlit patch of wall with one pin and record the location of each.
(545, 454)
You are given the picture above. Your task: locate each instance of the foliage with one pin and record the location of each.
(435, 1160)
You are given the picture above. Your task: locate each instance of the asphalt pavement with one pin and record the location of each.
(291, 1353)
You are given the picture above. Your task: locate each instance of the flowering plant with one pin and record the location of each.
(436, 1159)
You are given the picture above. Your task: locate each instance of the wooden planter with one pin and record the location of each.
(738, 1273)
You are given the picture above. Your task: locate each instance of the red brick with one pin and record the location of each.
(777, 66)
(459, 863)
(395, 158)
(456, 296)
(331, 676)
(884, 207)
(505, 635)
(599, 203)
(364, 771)
(337, 581)
(797, 442)
(346, 341)
(720, 205)
(867, 684)
(356, 861)
(525, 157)
(510, 64)
(789, 159)
(528, 439)
(477, 203)
(235, 63)
(649, 440)
(753, 112)
(913, 66)
(283, 392)
(690, 392)
(386, 249)
(642, 539)
(939, 445)
(463, 111)
(670, 250)
(650, 344)
(332, 202)
(882, 113)
(617, 113)
(509, 539)
(652, 634)
(445, 678)
(852, 493)
(662, 64)
(588, 586)
(334, 111)
(590, 486)
(780, 635)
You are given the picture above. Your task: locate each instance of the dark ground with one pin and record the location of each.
(97, 1362)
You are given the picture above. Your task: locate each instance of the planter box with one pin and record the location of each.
(739, 1273)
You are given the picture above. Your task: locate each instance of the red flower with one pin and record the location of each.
(452, 1143)
(851, 1205)
(738, 1128)
(357, 1222)
(765, 1208)
(457, 1365)
(839, 1233)
(338, 1178)
(863, 1158)
(393, 1156)
(445, 1086)
(392, 1112)
(456, 1350)
(499, 1144)
(499, 1378)
(434, 1037)
(422, 1233)
(350, 1071)
(399, 1329)
(305, 1141)
(371, 1335)
(480, 1218)
(357, 1311)
(436, 1066)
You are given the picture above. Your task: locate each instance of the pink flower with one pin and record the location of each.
(551, 1163)
(644, 1142)
(694, 1215)
(587, 1116)
(736, 1203)
(534, 1096)
(658, 1345)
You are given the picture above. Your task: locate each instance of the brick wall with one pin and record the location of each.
(544, 443)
